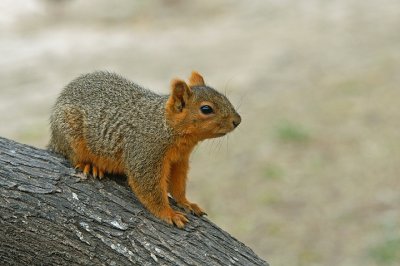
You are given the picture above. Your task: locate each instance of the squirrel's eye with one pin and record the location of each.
(206, 109)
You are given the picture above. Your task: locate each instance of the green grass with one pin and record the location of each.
(387, 253)
(273, 172)
(292, 133)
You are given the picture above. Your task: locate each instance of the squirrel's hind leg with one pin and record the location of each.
(86, 167)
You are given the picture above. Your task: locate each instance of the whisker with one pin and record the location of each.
(237, 107)
(219, 144)
(210, 147)
(227, 142)
(215, 145)
(227, 85)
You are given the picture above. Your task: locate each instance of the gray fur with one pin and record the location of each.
(107, 119)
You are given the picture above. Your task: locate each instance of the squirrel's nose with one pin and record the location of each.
(236, 121)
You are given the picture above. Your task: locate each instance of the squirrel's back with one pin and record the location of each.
(105, 89)
(104, 109)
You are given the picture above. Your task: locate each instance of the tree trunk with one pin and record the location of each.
(48, 216)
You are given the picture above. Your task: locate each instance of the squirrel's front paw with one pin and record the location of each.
(173, 217)
(192, 208)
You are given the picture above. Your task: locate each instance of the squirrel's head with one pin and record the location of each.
(197, 110)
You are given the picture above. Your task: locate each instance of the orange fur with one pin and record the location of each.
(177, 159)
(83, 156)
(196, 79)
(177, 180)
(179, 96)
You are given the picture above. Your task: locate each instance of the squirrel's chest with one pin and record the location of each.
(180, 150)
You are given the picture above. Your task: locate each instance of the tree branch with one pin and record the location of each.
(49, 216)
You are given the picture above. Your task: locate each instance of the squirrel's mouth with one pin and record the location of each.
(217, 135)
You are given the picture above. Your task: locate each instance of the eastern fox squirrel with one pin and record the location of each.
(104, 123)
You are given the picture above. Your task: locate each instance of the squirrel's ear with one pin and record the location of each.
(196, 79)
(180, 94)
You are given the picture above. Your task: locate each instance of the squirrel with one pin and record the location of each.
(103, 123)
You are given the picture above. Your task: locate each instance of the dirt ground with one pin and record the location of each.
(311, 176)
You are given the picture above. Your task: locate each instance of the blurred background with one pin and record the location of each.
(311, 176)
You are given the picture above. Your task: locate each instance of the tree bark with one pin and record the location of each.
(49, 216)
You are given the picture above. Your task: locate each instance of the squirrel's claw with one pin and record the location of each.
(177, 218)
(85, 168)
(97, 173)
(196, 210)
(192, 208)
(101, 174)
(94, 171)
